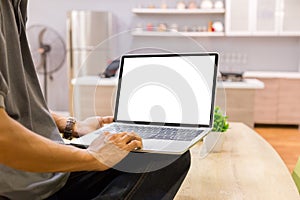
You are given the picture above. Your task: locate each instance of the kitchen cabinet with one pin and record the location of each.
(238, 17)
(288, 101)
(239, 105)
(266, 17)
(93, 96)
(93, 100)
(239, 99)
(278, 102)
(290, 17)
(262, 17)
(266, 101)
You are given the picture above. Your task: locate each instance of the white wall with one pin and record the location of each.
(262, 53)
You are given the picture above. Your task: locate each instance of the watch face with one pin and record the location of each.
(71, 119)
(67, 135)
(69, 128)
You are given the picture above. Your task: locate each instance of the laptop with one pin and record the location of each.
(167, 99)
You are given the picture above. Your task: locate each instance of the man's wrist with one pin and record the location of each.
(69, 130)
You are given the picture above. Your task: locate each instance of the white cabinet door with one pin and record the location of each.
(238, 17)
(263, 17)
(290, 17)
(267, 17)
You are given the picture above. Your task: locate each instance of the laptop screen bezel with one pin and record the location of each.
(168, 55)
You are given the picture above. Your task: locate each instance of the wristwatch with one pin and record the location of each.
(69, 129)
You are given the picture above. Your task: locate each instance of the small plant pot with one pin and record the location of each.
(213, 142)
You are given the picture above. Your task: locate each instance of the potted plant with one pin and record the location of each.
(220, 121)
(214, 140)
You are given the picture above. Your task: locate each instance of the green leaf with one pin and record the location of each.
(220, 120)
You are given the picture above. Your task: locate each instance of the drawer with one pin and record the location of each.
(265, 116)
(240, 105)
(288, 113)
(265, 109)
(240, 98)
(269, 94)
(241, 115)
(289, 101)
(266, 102)
(270, 83)
(289, 90)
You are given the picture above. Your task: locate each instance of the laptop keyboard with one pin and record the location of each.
(153, 132)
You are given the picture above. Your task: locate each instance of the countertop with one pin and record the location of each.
(96, 80)
(275, 74)
(245, 84)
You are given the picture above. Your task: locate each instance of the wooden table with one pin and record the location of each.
(246, 168)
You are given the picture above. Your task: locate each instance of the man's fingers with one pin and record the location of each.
(106, 133)
(133, 141)
(126, 141)
(116, 136)
(133, 145)
(129, 137)
(136, 136)
(107, 119)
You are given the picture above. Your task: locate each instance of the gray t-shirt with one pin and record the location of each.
(21, 96)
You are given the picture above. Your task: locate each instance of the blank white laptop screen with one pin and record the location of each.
(167, 89)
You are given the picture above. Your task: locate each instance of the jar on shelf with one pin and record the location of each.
(174, 27)
(149, 27)
(194, 29)
(162, 27)
(210, 27)
(202, 28)
(185, 28)
(218, 26)
(163, 5)
(151, 6)
(192, 5)
(181, 5)
(139, 27)
(206, 4)
(219, 4)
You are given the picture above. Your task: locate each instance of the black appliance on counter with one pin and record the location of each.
(232, 76)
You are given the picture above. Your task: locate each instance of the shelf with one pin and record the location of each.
(177, 11)
(177, 34)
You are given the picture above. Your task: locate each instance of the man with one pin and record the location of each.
(34, 161)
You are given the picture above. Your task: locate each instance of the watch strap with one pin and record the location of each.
(69, 129)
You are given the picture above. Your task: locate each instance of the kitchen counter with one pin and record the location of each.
(245, 84)
(239, 99)
(265, 74)
(94, 95)
(96, 80)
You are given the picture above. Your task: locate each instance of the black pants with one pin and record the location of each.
(162, 183)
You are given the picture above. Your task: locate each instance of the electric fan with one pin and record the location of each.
(48, 51)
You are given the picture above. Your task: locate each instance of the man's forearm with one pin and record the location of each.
(59, 120)
(22, 149)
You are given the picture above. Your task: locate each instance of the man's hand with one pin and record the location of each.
(84, 127)
(109, 149)
(91, 124)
